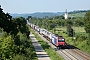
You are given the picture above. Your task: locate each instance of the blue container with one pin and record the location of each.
(54, 41)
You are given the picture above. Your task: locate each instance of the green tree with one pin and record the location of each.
(7, 47)
(87, 22)
(70, 31)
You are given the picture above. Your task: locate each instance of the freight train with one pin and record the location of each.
(58, 41)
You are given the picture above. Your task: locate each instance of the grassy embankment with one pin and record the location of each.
(53, 55)
(80, 42)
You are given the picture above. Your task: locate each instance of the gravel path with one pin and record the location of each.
(41, 54)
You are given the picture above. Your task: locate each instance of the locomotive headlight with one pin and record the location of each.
(62, 39)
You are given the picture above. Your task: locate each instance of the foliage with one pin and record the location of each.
(50, 24)
(70, 31)
(11, 50)
(7, 47)
(87, 22)
(12, 25)
(14, 41)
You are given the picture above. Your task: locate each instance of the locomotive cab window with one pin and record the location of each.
(61, 40)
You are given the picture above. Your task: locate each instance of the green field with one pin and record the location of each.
(77, 14)
(76, 29)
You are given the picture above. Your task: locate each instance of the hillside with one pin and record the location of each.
(38, 14)
(77, 13)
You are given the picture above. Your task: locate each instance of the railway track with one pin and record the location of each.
(84, 55)
(69, 55)
(80, 53)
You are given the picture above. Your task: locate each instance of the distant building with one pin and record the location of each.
(66, 15)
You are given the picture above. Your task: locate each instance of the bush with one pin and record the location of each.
(16, 48)
(7, 47)
(70, 31)
(19, 57)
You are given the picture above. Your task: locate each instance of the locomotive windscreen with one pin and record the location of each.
(61, 40)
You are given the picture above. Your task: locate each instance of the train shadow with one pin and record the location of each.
(68, 46)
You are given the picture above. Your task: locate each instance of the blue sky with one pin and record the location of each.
(32, 6)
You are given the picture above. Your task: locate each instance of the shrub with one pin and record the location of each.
(7, 47)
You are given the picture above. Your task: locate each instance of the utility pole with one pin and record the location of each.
(46, 25)
(74, 38)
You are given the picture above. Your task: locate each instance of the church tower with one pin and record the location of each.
(66, 15)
